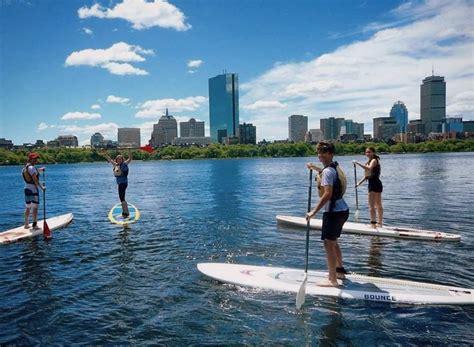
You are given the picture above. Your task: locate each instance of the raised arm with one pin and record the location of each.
(109, 159)
(130, 157)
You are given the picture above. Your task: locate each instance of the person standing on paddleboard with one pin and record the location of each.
(331, 186)
(121, 175)
(30, 175)
(372, 175)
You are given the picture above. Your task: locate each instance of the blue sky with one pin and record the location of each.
(77, 67)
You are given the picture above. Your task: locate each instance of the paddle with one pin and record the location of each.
(302, 291)
(357, 197)
(46, 232)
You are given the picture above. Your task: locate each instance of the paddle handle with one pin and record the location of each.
(355, 186)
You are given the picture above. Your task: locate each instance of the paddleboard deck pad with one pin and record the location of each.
(386, 231)
(115, 215)
(20, 233)
(357, 287)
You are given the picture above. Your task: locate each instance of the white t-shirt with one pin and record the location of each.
(329, 178)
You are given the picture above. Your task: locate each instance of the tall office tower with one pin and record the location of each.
(385, 128)
(224, 106)
(433, 103)
(331, 127)
(97, 140)
(247, 134)
(165, 131)
(129, 137)
(192, 128)
(297, 127)
(400, 113)
(358, 129)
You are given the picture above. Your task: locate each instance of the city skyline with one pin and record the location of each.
(108, 69)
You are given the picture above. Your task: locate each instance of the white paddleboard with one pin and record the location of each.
(22, 233)
(357, 287)
(115, 215)
(386, 231)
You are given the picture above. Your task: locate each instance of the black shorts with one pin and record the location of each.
(375, 185)
(332, 224)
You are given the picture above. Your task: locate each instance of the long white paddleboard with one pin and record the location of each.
(386, 231)
(115, 215)
(22, 233)
(357, 287)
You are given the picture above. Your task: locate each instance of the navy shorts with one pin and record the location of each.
(31, 198)
(332, 224)
(375, 186)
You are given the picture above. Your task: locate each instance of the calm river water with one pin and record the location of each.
(96, 283)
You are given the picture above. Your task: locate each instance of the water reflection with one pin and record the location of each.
(332, 333)
(374, 260)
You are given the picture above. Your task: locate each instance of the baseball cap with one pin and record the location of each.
(33, 155)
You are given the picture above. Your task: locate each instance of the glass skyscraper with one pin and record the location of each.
(400, 113)
(433, 103)
(224, 106)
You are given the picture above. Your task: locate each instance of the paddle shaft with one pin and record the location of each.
(308, 221)
(355, 185)
(44, 196)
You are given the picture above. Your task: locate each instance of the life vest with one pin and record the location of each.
(118, 171)
(26, 175)
(338, 189)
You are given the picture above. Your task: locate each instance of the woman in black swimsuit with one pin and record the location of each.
(372, 175)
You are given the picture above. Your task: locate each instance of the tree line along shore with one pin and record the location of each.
(218, 151)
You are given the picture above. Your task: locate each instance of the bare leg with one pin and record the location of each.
(35, 216)
(27, 217)
(379, 207)
(331, 256)
(371, 200)
(125, 207)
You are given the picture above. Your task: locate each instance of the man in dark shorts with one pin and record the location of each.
(30, 175)
(331, 186)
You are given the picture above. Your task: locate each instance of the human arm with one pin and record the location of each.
(35, 178)
(370, 166)
(130, 158)
(109, 159)
(322, 201)
(311, 166)
(361, 181)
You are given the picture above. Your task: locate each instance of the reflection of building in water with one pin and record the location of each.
(374, 261)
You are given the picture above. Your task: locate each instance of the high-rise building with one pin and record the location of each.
(433, 103)
(165, 131)
(192, 128)
(297, 127)
(331, 127)
(468, 125)
(129, 137)
(247, 134)
(400, 113)
(385, 128)
(97, 140)
(224, 106)
(358, 130)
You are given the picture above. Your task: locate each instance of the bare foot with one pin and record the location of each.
(328, 283)
(340, 276)
(26, 226)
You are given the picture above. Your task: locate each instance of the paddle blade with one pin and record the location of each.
(356, 215)
(300, 297)
(147, 148)
(46, 232)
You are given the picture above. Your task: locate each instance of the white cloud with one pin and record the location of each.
(195, 63)
(264, 104)
(141, 13)
(363, 79)
(191, 72)
(43, 126)
(115, 59)
(80, 115)
(109, 129)
(112, 99)
(96, 107)
(156, 108)
(88, 31)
